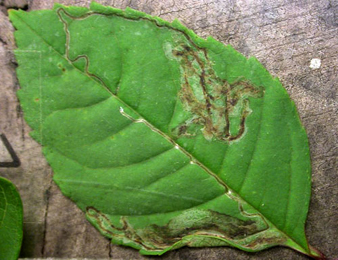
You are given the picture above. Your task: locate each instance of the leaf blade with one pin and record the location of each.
(11, 220)
(160, 124)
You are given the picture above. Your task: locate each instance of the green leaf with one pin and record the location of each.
(164, 139)
(11, 220)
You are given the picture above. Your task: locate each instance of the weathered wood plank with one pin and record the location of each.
(284, 35)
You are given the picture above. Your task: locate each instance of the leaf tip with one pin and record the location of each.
(316, 254)
(12, 13)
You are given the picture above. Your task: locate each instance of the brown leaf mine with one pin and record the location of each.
(194, 227)
(214, 104)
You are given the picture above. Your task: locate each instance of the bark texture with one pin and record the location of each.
(284, 35)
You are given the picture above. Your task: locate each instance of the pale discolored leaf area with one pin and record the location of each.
(164, 139)
(11, 217)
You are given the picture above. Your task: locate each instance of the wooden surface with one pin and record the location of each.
(284, 35)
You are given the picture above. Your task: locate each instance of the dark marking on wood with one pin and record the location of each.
(15, 159)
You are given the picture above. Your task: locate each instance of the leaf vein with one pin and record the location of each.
(254, 150)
